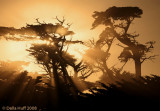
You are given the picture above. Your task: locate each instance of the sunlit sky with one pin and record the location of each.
(16, 13)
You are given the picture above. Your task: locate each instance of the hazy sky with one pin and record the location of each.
(16, 13)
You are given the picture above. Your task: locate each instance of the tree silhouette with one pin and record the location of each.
(96, 59)
(53, 56)
(100, 52)
(51, 51)
(117, 21)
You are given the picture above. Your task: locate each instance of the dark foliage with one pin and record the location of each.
(116, 13)
(136, 93)
(24, 90)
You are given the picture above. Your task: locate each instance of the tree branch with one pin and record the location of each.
(37, 19)
(61, 21)
(120, 45)
(151, 43)
(69, 25)
(150, 58)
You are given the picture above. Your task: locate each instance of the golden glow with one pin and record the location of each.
(77, 50)
(14, 51)
(16, 13)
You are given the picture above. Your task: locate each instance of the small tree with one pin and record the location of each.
(118, 21)
(99, 52)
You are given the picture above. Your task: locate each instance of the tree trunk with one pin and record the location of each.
(75, 74)
(68, 79)
(58, 93)
(107, 70)
(138, 67)
(57, 81)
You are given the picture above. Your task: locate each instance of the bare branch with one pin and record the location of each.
(120, 45)
(73, 42)
(84, 77)
(37, 19)
(82, 67)
(123, 66)
(151, 43)
(149, 58)
(86, 74)
(44, 22)
(61, 21)
(69, 25)
(92, 41)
